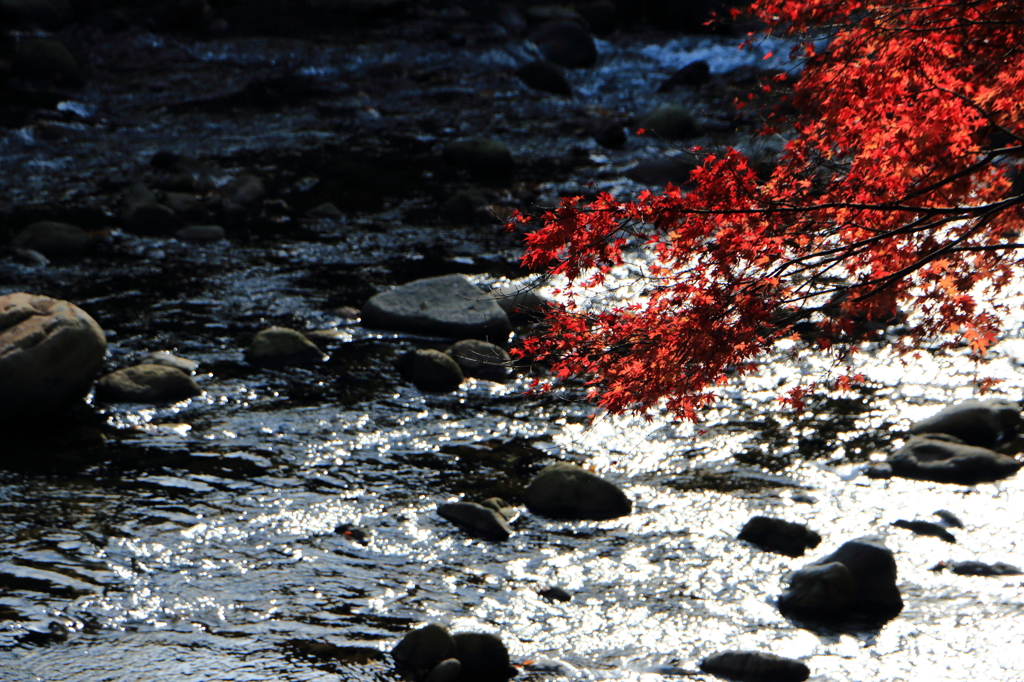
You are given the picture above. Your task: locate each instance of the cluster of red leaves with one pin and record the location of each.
(895, 191)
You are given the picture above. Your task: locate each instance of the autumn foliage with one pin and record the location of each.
(896, 191)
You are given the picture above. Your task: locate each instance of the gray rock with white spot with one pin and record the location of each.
(448, 306)
(50, 351)
(149, 384)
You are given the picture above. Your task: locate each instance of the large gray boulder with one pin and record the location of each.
(945, 459)
(984, 423)
(867, 587)
(150, 384)
(50, 350)
(755, 666)
(568, 491)
(448, 306)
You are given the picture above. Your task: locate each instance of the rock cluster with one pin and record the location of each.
(433, 654)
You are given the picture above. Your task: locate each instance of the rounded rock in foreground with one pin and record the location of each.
(53, 239)
(149, 384)
(567, 491)
(278, 346)
(424, 648)
(50, 350)
(484, 657)
(481, 359)
(430, 370)
(755, 666)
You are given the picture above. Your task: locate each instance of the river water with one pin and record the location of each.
(200, 541)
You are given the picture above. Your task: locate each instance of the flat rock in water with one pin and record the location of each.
(484, 657)
(983, 569)
(777, 535)
(50, 351)
(983, 423)
(568, 491)
(150, 384)
(755, 666)
(53, 239)
(944, 459)
(926, 528)
(278, 346)
(476, 519)
(448, 306)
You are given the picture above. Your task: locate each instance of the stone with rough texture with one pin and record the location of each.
(279, 346)
(943, 459)
(430, 370)
(476, 519)
(565, 490)
(777, 535)
(448, 306)
(53, 239)
(755, 666)
(983, 423)
(873, 569)
(150, 384)
(424, 648)
(50, 350)
(484, 657)
(481, 359)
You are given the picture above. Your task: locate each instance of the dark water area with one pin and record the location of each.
(283, 526)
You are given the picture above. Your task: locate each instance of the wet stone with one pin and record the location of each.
(502, 507)
(565, 43)
(670, 121)
(200, 233)
(568, 491)
(447, 306)
(925, 528)
(545, 77)
(149, 384)
(430, 370)
(608, 132)
(277, 346)
(50, 351)
(423, 649)
(982, 569)
(468, 206)
(777, 535)
(476, 519)
(46, 59)
(483, 159)
(53, 239)
(755, 666)
(448, 670)
(484, 657)
(556, 594)
(693, 74)
(982, 423)
(944, 459)
(162, 357)
(481, 359)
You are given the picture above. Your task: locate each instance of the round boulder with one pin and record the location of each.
(484, 657)
(50, 350)
(670, 121)
(476, 520)
(423, 649)
(448, 306)
(820, 591)
(544, 76)
(481, 359)
(777, 535)
(565, 43)
(755, 666)
(484, 159)
(53, 239)
(568, 491)
(150, 384)
(945, 459)
(430, 370)
(984, 423)
(278, 346)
